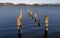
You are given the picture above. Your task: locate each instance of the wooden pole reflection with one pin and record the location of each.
(19, 34)
(46, 34)
(38, 22)
(35, 22)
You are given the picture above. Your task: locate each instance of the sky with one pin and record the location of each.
(31, 1)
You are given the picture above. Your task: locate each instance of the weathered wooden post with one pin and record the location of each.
(35, 21)
(20, 14)
(19, 24)
(46, 23)
(30, 13)
(46, 27)
(35, 15)
(19, 21)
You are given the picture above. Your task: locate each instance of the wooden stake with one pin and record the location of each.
(35, 16)
(19, 23)
(20, 14)
(46, 23)
(30, 13)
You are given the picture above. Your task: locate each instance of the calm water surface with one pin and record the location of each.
(8, 27)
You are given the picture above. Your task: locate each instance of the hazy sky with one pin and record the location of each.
(31, 1)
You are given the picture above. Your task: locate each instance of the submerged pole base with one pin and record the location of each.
(19, 33)
(46, 34)
(38, 24)
(35, 19)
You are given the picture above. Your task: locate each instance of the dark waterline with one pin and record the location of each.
(8, 27)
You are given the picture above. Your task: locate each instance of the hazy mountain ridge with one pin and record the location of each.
(7, 4)
(22, 4)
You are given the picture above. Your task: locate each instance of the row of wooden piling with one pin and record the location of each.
(19, 20)
(34, 17)
(45, 22)
(31, 15)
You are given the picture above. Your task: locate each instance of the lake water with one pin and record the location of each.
(8, 26)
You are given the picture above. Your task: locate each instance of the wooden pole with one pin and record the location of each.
(46, 23)
(46, 27)
(20, 14)
(30, 13)
(35, 15)
(19, 23)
